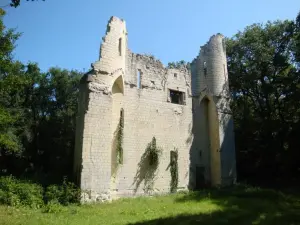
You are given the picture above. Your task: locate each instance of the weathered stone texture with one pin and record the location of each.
(200, 127)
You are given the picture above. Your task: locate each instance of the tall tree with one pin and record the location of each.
(8, 84)
(37, 115)
(265, 87)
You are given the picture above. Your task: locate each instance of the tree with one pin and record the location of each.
(16, 3)
(264, 81)
(37, 116)
(8, 69)
(178, 65)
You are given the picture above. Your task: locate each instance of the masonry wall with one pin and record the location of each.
(148, 114)
(210, 81)
(199, 128)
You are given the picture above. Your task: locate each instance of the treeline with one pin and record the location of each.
(37, 116)
(38, 109)
(264, 76)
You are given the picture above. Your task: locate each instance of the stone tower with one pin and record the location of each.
(214, 149)
(187, 113)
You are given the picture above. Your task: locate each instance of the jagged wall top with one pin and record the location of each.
(216, 41)
(113, 48)
(209, 69)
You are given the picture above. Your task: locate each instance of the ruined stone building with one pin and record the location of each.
(129, 100)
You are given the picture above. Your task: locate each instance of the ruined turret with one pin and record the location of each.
(209, 71)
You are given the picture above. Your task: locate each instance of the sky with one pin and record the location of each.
(68, 33)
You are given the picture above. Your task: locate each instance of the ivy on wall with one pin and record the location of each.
(154, 152)
(119, 147)
(174, 170)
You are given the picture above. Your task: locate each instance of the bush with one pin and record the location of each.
(65, 194)
(53, 207)
(15, 192)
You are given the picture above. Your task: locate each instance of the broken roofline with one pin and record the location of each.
(152, 57)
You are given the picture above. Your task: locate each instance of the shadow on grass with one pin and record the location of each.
(239, 206)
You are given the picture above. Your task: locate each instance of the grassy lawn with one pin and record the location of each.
(227, 206)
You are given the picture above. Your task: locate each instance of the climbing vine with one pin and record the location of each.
(119, 146)
(174, 170)
(149, 165)
(154, 152)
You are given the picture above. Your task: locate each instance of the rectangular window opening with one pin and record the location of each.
(120, 46)
(177, 97)
(175, 75)
(139, 75)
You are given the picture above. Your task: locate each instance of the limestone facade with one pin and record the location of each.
(184, 109)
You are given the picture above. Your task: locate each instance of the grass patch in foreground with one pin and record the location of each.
(226, 206)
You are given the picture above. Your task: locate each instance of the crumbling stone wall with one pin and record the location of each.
(210, 89)
(152, 101)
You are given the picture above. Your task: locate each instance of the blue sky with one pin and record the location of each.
(67, 33)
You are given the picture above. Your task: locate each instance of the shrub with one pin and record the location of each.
(15, 192)
(53, 193)
(53, 207)
(65, 194)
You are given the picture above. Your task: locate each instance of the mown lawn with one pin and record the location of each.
(228, 206)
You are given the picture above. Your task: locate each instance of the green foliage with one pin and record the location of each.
(153, 152)
(15, 192)
(174, 171)
(9, 141)
(179, 65)
(209, 207)
(119, 147)
(264, 82)
(147, 167)
(62, 194)
(37, 116)
(16, 3)
(53, 207)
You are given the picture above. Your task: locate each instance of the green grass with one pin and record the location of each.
(227, 206)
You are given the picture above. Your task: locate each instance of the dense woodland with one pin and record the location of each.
(38, 109)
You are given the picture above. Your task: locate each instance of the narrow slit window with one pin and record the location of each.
(139, 75)
(177, 97)
(120, 46)
(224, 68)
(205, 68)
(175, 75)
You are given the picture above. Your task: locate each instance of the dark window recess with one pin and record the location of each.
(120, 46)
(205, 68)
(175, 75)
(177, 97)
